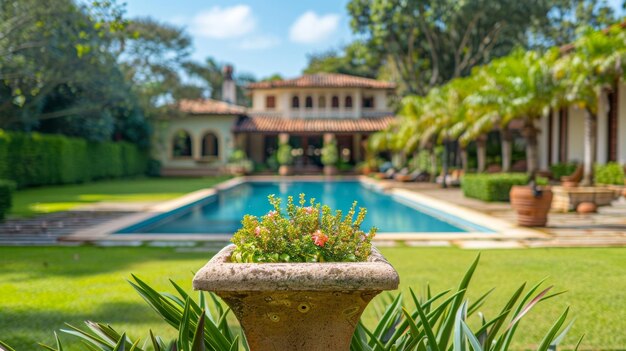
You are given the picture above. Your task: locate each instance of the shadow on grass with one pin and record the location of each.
(42, 262)
(24, 329)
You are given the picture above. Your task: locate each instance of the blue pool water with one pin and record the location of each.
(222, 213)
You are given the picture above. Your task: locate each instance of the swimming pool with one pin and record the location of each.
(222, 213)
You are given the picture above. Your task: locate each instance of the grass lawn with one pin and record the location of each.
(40, 288)
(33, 201)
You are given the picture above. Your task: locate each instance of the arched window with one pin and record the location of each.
(321, 102)
(295, 102)
(334, 103)
(181, 144)
(308, 102)
(210, 145)
(348, 101)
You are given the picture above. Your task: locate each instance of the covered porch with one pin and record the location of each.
(260, 136)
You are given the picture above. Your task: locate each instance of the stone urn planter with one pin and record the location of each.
(532, 211)
(330, 170)
(284, 170)
(297, 306)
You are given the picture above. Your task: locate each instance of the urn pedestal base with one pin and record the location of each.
(297, 306)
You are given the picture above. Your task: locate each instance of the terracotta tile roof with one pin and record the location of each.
(311, 125)
(324, 80)
(210, 107)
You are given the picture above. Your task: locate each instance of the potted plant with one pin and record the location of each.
(532, 203)
(239, 164)
(330, 157)
(299, 279)
(284, 158)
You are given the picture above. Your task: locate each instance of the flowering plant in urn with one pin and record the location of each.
(303, 232)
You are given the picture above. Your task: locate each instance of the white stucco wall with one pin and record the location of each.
(555, 136)
(197, 127)
(576, 135)
(542, 124)
(602, 146)
(284, 98)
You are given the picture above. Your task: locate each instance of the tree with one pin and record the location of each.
(566, 17)
(152, 56)
(425, 43)
(57, 72)
(210, 74)
(594, 65)
(356, 59)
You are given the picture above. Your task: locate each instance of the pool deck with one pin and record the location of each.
(606, 228)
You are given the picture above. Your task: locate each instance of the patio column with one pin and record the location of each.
(602, 150)
(328, 138)
(356, 147)
(283, 138)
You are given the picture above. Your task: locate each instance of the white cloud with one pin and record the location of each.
(259, 42)
(224, 22)
(311, 28)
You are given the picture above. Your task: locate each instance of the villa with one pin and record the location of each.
(303, 111)
(563, 131)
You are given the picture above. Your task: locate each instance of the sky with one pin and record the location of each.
(256, 36)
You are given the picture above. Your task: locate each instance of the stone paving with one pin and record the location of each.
(46, 229)
(605, 228)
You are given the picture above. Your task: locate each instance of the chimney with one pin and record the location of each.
(229, 90)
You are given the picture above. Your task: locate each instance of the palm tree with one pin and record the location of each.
(520, 86)
(596, 64)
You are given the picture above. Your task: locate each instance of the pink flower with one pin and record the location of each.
(309, 210)
(257, 231)
(319, 238)
(271, 214)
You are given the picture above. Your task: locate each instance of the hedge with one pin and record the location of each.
(32, 159)
(611, 173)
(6, 189)
(491, 187)
(559, 170)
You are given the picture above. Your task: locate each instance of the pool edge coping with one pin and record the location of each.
(502, 230)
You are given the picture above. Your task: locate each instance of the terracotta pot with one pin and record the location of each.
(284, 170)
(330, 170)
(366, 170)
(531, 211)
(297, 306)
(586, 207)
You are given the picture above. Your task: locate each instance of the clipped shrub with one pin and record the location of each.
(33, 159)
(330, 155)
(283, 155)
(154, 168)
(6, 191)
(559, 170)
(491, 187)
(611, 173)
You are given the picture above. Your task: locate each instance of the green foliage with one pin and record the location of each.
(420, 41)
(6, 191)
(491, 187)
(436, 321)
(302, 235)
(283, 155)
(559, 170)
(154, 168)
(356, 59)
(611, 173)
(330, 154)
(42, 159)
